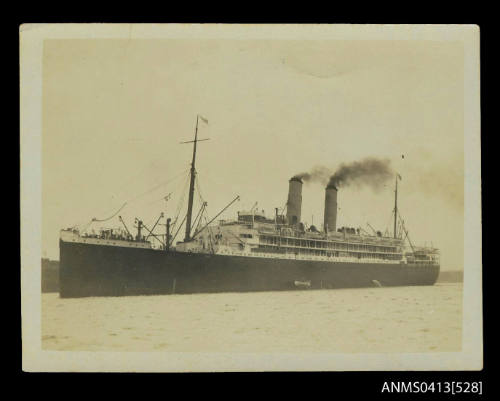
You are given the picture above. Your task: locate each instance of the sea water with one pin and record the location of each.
(393, 319)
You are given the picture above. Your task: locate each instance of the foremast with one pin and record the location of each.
(187, 236)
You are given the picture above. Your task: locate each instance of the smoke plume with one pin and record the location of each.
(319, 174)
(371, 172)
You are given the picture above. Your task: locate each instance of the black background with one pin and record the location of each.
(282, 385)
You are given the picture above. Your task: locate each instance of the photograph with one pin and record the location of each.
(211, 197)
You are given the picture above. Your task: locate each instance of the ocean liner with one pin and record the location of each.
(253, 252)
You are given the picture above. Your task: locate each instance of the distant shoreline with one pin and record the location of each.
(451, 276)
(50, 275)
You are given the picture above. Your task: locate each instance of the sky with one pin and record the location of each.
(115, 111)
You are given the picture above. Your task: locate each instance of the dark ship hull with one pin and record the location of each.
(95, 270)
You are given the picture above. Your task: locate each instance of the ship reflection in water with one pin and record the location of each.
(370, 320)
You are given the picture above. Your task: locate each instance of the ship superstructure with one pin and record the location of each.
(254, 234)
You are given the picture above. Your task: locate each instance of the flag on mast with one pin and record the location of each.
(400, 179)
(204, 119)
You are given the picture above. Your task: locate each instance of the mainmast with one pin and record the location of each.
(187, 236)
(396, 207)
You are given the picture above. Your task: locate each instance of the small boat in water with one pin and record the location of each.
(302, 284)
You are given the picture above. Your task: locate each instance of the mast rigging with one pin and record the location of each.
(217, 215)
